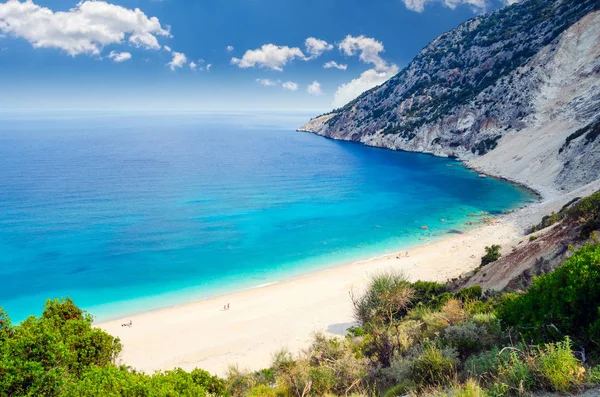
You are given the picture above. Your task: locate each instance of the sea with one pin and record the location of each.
(129, 212)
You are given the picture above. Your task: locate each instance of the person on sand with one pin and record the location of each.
(130, 323)
(228, 306)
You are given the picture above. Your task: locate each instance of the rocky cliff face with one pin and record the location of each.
(503, 91)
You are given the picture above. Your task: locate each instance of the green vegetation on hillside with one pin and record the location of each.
(583, 213)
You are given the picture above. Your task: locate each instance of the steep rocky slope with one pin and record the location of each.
(504, 91)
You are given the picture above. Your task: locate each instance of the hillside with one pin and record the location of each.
(515, 93)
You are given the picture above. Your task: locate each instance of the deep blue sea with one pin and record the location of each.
(125, 213)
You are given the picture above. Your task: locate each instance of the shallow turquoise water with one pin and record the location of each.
(129, 213)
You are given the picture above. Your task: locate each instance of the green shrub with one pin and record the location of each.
(468, 389)
(492, 254)
(400, 389)
(427, 292)
(515, 375)
(593, 375)
(558, 368)
(483, 365)
(564, 302)
(467, 338)
(434, 366)
(388, 297)
(265, 391)
(469, 294)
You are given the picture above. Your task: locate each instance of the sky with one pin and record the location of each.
(208, 55)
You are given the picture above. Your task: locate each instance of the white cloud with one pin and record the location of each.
(179, 59)
(368, 47)
(367, 80)
(167, 48)
(314, 88)
(119, 56)
(334, 64)
(193, 65)
(268, 56)
(315, 47)
(268, 82)
(208, 67)
(229, 48)
(84, 29)
(476, 5)
(368, 50)
(290, 85)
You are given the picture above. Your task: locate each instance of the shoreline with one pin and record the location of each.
(284, 314)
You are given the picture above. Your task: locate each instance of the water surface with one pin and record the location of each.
(133, 212)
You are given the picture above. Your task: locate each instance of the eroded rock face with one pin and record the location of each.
(527, 72)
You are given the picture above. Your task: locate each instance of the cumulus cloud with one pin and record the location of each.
(367, 80)
(476, 5)
(368, 50)
(268, 82)
(314, 88)
(268, 56)
(334, 64)
(229, 48)
(84, 29)
(193, 65)
(290, 86)
(179, 59)
(315, 47)
(119, 56)
(208, 67)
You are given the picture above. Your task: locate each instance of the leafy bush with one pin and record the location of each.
(467, 338)
(434, 366)
(469, 294)
(388, 296)
(492, 254)
(559, 368)
(515, 375)
(400, 389)
(564, 302)
(469, 389)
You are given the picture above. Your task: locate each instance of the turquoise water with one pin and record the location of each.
(129, 213)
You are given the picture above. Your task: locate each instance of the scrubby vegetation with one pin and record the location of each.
(582, 213)
(415, 338)
(492, 254)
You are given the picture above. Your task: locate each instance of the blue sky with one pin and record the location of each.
(108, 55)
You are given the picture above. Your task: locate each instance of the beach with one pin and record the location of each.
(264, 320)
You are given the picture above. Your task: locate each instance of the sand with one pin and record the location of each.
(264, 320)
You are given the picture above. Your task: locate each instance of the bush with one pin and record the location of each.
(484, 365)
(469, 389)
(469, 294)
(492, 254)
(434, 367)
(265, 391)
(400, 389)
(467, 338)
(558, 368)
(387, 297)
(564, 302)
(515, 375)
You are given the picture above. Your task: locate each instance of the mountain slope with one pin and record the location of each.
(503, 90)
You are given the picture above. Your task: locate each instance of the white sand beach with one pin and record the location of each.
(264, 320)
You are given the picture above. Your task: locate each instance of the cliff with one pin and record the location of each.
(515, 93)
